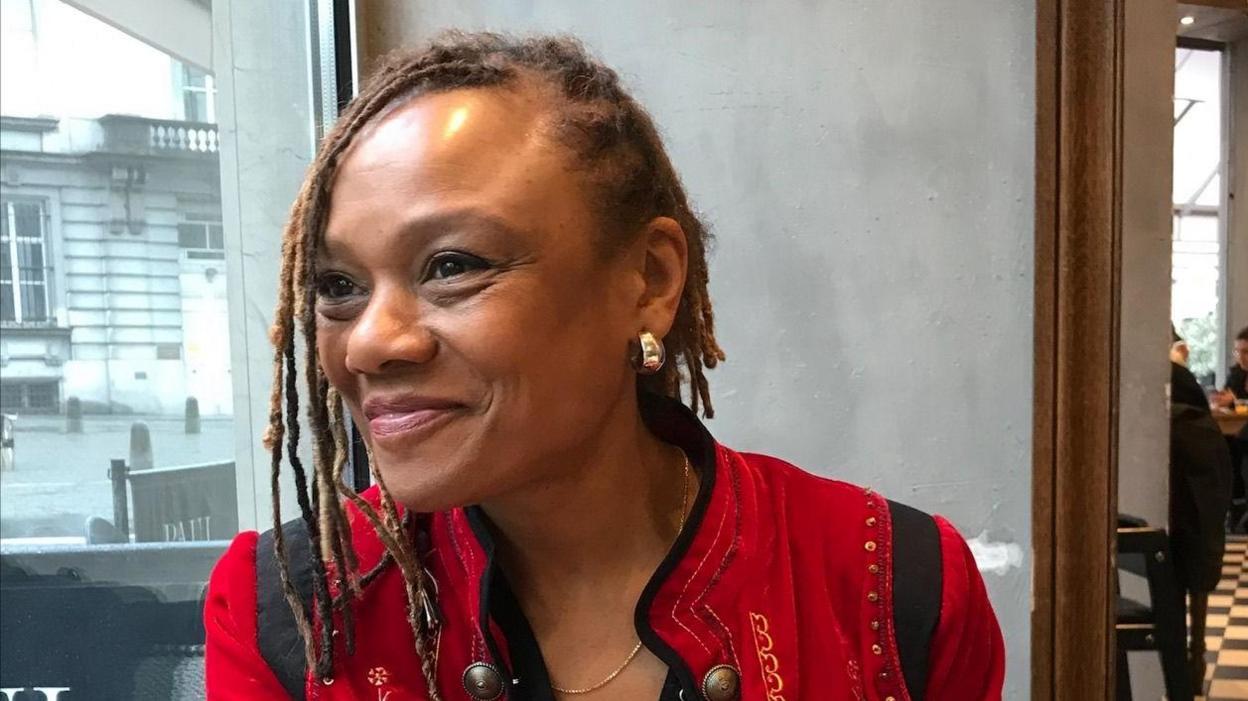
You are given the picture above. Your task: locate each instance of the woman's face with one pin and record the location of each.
(464, 312)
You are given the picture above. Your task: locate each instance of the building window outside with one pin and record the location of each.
(199, 95)
(24, 268)
(30, 397)
(202, 238)
(1199, 164)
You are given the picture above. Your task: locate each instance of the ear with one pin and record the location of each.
(662, 258)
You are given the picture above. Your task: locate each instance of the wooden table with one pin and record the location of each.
(1231, 424)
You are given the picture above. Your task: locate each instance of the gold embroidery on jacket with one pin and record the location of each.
(772, 681)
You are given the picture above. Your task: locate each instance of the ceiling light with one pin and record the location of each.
(1187, 20)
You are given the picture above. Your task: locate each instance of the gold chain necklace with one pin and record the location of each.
(684, 508)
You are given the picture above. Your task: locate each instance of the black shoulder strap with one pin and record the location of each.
(277, 636)
(917, 587)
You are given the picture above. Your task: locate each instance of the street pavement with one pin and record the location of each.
(60, 479)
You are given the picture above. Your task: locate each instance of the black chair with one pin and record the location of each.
(1161, 625)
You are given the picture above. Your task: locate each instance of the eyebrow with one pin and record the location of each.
(437, 223)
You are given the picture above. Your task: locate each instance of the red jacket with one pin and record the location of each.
(782, 575)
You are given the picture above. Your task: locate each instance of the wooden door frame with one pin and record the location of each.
(1079, 47)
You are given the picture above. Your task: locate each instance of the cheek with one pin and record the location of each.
(331, 352)
(574, 325)
(543, 339)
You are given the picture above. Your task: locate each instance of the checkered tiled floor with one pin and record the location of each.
(1227, 632)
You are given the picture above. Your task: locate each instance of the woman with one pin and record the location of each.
(496, 270)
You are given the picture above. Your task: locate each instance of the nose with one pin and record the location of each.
(389, 333)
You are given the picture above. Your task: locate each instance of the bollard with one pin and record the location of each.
(7, 443)
(192, 415)
(141, 447)
(73, 415)
(117, 473)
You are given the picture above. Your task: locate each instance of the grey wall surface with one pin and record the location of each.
(868, 168)
(1236, 278)
(266, 125)
(1144, 322)
(1147, 177)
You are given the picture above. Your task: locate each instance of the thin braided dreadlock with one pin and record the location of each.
(619, 150)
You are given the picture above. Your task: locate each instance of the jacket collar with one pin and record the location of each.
(679, 609)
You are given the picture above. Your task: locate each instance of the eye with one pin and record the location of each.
(333, 287)
(446, 266)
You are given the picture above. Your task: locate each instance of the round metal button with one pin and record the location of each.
(722, 683)
(483, 682)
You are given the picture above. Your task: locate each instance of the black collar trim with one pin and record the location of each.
(676, 424)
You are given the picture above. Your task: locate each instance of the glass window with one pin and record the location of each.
(126, 301)
(192, 236)
(202, 236)
(198, 95)
(1196, 267)
(121, 475)
(23, 264)
(29, 396)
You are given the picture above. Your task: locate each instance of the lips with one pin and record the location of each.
(398, 415)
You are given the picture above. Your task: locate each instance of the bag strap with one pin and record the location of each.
(917, 587)
(277, 636)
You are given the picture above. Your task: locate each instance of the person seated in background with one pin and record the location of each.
(1236, 386)
(1184, 387)
(1200, 494)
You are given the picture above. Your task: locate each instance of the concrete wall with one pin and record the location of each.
(868, 168)
(266, 130)
(1147, 167)
(1144, 326)
(1236, 277)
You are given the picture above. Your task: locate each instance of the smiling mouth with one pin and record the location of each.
(407, 423)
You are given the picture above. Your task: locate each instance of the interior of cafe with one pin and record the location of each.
(1183, 468)
(981, 260)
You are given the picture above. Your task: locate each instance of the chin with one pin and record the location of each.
(432, 472)
(417, 485)
(427, 498)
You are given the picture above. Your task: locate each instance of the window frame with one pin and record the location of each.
(8, 204)
(191, 90)
(213, 230)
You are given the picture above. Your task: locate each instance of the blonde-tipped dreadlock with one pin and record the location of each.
(614, 140)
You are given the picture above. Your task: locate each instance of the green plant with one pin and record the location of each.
(1201, 334)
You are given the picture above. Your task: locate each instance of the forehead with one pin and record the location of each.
(460, 125)
(486, 150)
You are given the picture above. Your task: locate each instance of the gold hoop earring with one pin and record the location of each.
(651, 356)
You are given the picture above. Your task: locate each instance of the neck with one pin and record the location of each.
(603, 524)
